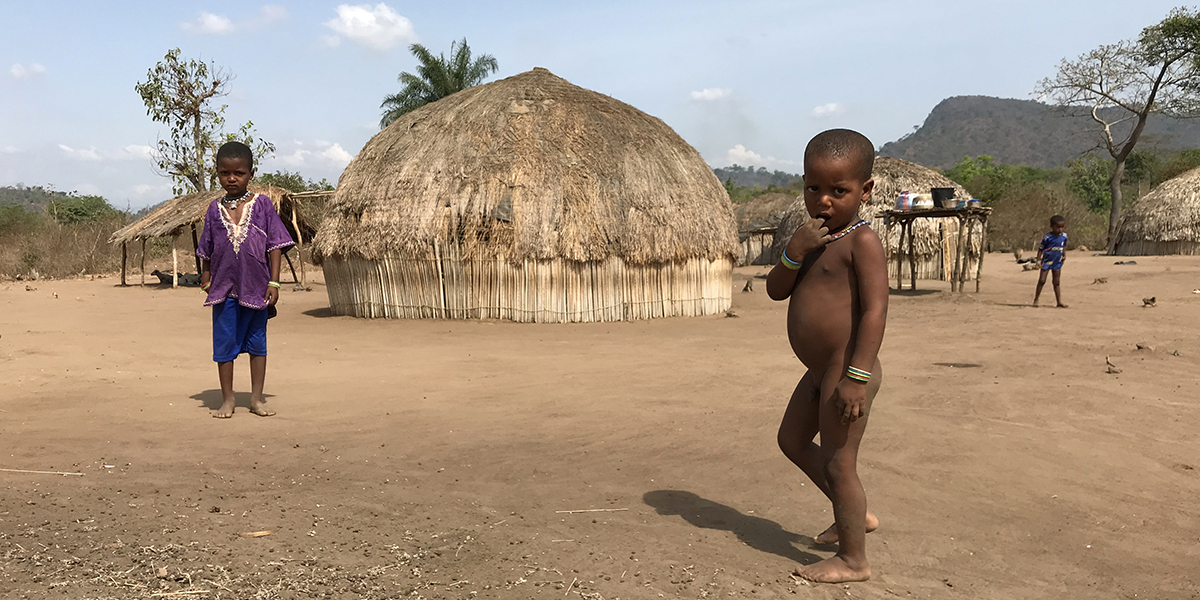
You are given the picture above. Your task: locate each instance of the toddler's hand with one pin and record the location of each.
(850, 399)
(272, 295)
(810, 237)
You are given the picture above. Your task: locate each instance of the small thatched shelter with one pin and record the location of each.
(1165, 221)
(184, 212)
(528, 199)
(758, 218)
(935, 239)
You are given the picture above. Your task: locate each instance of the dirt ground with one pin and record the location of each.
(437, 459)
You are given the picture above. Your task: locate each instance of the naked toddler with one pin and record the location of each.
(835, 274)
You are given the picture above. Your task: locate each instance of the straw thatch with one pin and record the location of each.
(1164, 221)
(529, 199)
(177, 214)
(758, 219)
(935, 239)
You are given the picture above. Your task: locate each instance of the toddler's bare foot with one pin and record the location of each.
(835, 569)
(226, 410)
(259, 408)
(1061, 305)
(830, 536)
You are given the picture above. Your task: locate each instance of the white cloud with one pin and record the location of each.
(377, 27)
(338, 154)
(158, 191)
(330, 41)
(209, 24)
(294, 160)
(142, 152)
(10, 150)
(89, 154)
(828, 110)
(741, 155)
(87, 189)
(709, 94)
(20, 71)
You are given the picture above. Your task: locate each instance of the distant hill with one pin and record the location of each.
(1020, 132)
(32, 199)
(750, 176)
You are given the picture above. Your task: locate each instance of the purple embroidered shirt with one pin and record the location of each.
(237, 252)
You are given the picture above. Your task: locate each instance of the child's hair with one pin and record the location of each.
(1058, 220)
(236, 150)
(844, 143)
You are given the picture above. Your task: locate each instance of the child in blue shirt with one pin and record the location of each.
(1051, 254)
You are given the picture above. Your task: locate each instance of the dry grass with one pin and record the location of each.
(52, 250)
(1022, 217)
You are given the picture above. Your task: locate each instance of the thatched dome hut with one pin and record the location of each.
(1165, 221)
(935, 239)
(528, 199)
(758, 218)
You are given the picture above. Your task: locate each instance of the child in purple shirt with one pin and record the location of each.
(240, 252)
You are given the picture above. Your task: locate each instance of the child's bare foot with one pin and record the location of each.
(225, 412)
(830, 536)
(259, 408)
(1061, 305)
(835, 569)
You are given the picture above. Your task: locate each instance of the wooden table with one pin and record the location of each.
(966, 218)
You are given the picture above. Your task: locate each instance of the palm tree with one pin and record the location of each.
(438, 78)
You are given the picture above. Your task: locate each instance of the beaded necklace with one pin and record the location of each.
(841, 234)
(232, 203)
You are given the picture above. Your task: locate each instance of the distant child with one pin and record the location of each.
(1051, 254)
(239, 252)
(835, 273)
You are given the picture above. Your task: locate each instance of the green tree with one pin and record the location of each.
(1122, 84)
(293, 182)
(1185, 161)
(436, 78)
(1089, 181)
(182, 94)
(80, 209)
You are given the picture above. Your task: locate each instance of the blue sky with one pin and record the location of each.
(747, 82)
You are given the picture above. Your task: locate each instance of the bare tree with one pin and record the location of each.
(181, 94)
(1122, 84)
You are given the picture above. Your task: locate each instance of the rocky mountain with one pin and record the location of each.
(1021, 132)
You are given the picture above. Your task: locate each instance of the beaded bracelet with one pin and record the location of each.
(858, 375)
(273, 284)
(789, 263)
(204, 288)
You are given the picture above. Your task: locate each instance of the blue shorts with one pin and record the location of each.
(1052, 262)
(237, 329)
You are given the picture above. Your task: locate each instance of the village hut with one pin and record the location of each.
(758, 219)
(935, 239)
(1164, 221)
(528, 199)
(173, 217)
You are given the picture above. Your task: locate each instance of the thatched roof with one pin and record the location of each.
(762, 213)
(892, 176)
(529, 167)
(1169, 213)
(178, 213)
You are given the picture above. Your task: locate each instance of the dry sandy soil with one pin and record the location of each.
(435, 459)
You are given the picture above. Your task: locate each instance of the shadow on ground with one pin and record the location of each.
(912, 293)
(211, 399)
(319, 313)
(761, 534)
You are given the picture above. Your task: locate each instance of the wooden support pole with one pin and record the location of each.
(960, 262)
(174, 261)
(900, 258)
(195, 249)
(982, 250)
(912, 257)
(124, 261)
(143, 261)
(299, 242)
